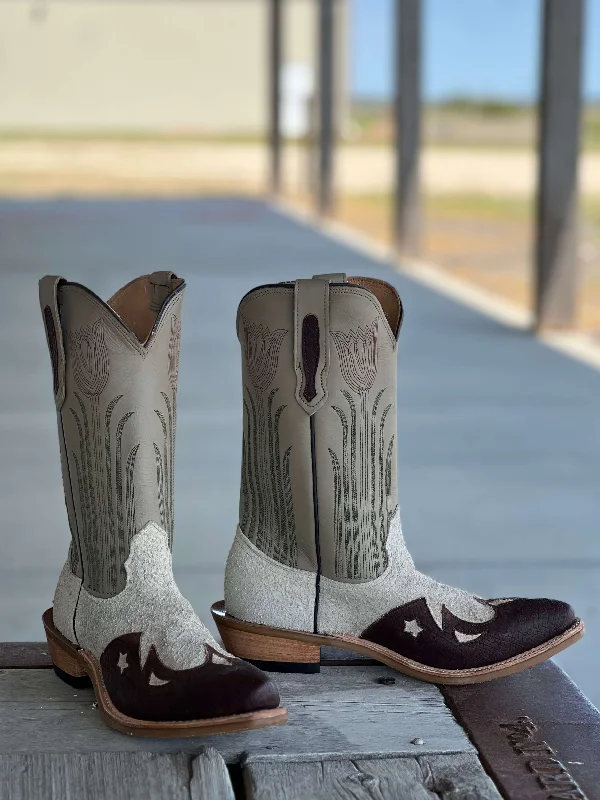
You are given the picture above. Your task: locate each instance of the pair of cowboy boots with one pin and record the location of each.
(318, 557)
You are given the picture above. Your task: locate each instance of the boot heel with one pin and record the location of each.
(271, 653)
(67, 664)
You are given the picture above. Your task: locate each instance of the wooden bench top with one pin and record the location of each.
(356, 730)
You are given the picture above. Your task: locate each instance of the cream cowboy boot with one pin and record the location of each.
(118, 617)
(319, 557)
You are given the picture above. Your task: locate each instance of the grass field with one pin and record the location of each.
(461, 123)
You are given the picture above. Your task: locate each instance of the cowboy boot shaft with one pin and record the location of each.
(276, 490)
(319, 484)
(115, 371)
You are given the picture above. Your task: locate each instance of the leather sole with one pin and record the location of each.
(258, 643)
(75, 665)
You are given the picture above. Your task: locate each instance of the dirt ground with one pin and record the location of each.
(488, 242)
(31, 167)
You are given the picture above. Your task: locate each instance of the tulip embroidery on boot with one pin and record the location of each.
(106, 519)
(174, 347)
(261, 352)
(122, 662)
(266, 507)
(357, 351)
(362, 472)
(165, 459)
(165, 465)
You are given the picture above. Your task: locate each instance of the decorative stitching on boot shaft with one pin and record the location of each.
(357, 352)
(362, 471)
(266, 505)
(120, 406)
(261, 353)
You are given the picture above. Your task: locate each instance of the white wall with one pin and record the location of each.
(170, 65)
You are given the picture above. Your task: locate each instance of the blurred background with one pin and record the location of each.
(170, 98)
(166, 134)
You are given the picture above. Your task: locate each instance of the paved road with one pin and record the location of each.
(499, 436)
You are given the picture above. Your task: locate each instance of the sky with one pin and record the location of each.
(481, 48)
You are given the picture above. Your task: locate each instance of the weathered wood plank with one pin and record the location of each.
(210, 778)
(339, 713)
(535, 732)
(450, 777)
(118, 776)
(24, 655)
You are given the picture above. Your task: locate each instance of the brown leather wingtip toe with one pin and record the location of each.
(532, 622)
(257, 691)
(519, 626)
(221, 687)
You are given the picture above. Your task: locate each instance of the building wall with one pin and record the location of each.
(156, 65)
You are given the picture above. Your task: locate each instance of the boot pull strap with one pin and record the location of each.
(161, 286)
(332, 277)
(311, 342)
(49, 287)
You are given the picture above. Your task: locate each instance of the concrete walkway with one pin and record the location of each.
(499, 437)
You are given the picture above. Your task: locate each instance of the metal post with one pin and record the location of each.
(326, 94)
(559, 129)
(275, 57)
(407, 201)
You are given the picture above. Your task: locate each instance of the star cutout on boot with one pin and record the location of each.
(412, 627)
(122, 662)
